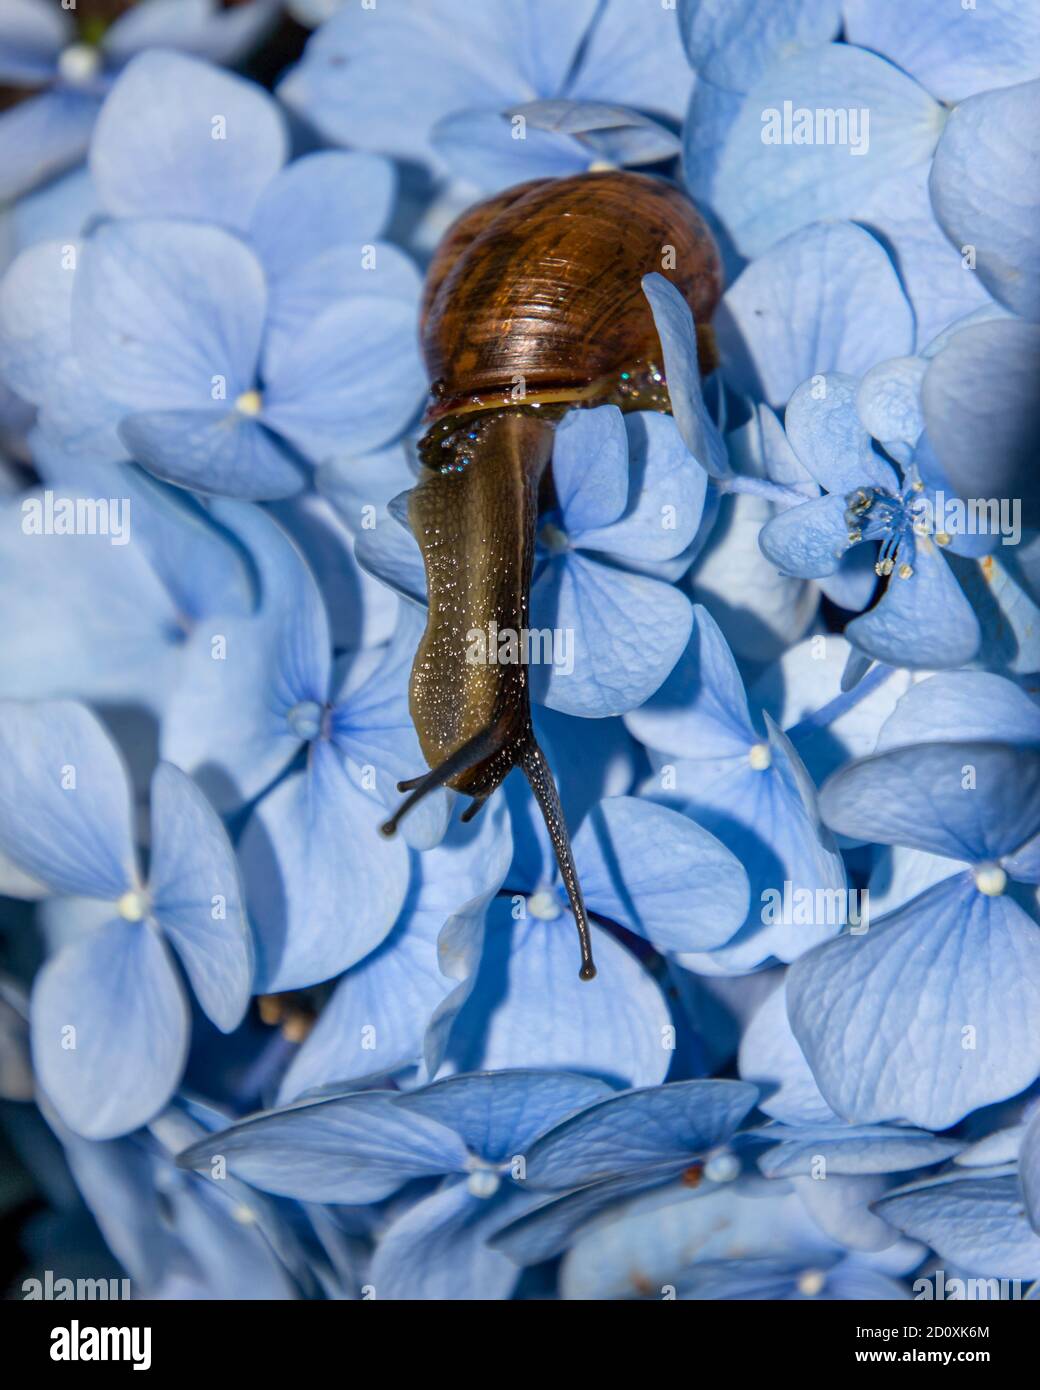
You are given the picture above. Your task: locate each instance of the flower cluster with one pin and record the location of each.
(789, 697)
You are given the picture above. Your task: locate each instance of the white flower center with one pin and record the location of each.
(79, 64)
(544, 905)
(133, 906)
(249, 403)
(990, 879)
(760, 757)
(811, 1282)
(483, 1183)
(722, 1167)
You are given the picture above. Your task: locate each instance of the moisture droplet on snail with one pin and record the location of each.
(533, 306)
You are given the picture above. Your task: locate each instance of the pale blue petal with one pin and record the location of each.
(634, 55)
(43, 136)
(356, 377)
(615, 1026)
(1029, 1169)
(675, 328)
(350, 1149)
(665, 495)
(629, 631)
(825, 299)
(953, 52)
(730, 43)
(500, 1114)
(888, 402)
(962, 705)
(825, 432)
(317, 203)
(65, 800)
(197, 897)
(165, 313)
(177, 137)
(985, 439)
(437, 1251)
(851, 1149)
(701, 708)
(810, 539)
(228, 720)
(764, 191)
(118, 991)
(887, 1019)
(32, 34)
(323, 886)
(967, 800)
(923, 622)
(645, 1129)
(484, 148)
(976, 1224)
(396, 990)
(590, 468)
(659, 874)
(771, 1058)
(216, 452)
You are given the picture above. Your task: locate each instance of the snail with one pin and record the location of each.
(533, 305)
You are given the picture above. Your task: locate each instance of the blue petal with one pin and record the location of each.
(483, 148)
(500, 1114)
(825, 299)
(621, 135)
(838, 1148)
(967, 800)
(590, 468)
(319, 202)
(306, 289)
(809, 539)
(35, 298)
(633, 55)
(675, 328)
(324, 887)
(983, 186)
(178, 138)
(730, 44)
(409, 69)
(660, 874)
(65, 800)
(356, 374)
(924, 621)
(397, 989)
(665, 496)
(702, 705)
(628, 632)
(437, 1250)
(164, 312)
(42, 136)
(928, 42)
(217, 452)
(929, 1015)
(32, 35)
(639, 1130)
(888, 403)
(976, 1224)
(961, 705)
(984, 439)
(350, 1149)
(825, 432)
(389, 552)
(197, 897)
(771, 1058)
(228, 720)
(615, 1026)
(118, 991)
(764, 191)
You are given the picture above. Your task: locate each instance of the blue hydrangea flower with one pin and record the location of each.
(409, 71)
(110, 1019)
(936, 1032)
(747, 788)
(42, 46)
(471, 1131)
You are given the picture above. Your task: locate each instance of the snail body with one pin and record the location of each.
(533, 306)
